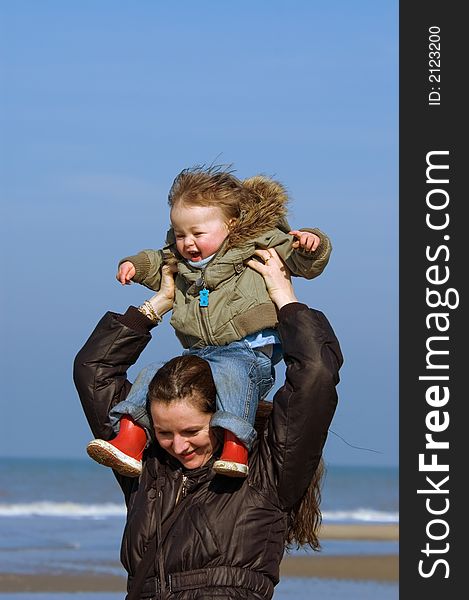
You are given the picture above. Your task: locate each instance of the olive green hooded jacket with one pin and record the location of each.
(238, 302)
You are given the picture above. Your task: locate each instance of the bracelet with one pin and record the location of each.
(147, 309)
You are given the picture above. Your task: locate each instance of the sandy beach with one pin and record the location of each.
(359, 532)
(382, 568)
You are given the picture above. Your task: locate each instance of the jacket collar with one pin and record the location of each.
(157, 456)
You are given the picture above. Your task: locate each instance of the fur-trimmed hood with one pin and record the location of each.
(264, 208)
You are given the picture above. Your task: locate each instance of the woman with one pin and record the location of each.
(190, 533)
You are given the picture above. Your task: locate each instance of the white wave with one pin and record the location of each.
(62, 509)
(103, 511)
(361, 515)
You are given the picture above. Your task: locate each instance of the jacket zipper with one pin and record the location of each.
(203, 311)
(182, 489)
(159, 554)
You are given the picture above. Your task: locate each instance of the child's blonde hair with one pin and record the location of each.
(258, 202)
(209, 186)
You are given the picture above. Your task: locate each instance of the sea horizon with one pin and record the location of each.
(63, 518)
(80, 488)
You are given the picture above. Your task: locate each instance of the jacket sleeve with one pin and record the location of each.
(100, 367)
(147, 265)
(303, 264)
(310, 264)
(304, 406)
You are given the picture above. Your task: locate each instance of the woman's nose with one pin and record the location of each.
(180, 444)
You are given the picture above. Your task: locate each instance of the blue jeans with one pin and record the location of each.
(135, 404)
(242, 375)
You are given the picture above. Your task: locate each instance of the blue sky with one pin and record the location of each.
(103, 103)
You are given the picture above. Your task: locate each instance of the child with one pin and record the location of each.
(222, 311)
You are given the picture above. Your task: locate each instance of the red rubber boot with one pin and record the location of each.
(124, 452)
(233, 461)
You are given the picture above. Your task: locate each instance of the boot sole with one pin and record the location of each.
(230, 469)
(108, 455)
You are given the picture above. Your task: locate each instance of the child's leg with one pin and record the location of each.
(242, 376)
(131, 422)
(134, 405)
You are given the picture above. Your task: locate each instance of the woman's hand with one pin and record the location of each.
(163, 300)
(276, 275)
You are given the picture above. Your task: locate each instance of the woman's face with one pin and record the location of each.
(184, 432)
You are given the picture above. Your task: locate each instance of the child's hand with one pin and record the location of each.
(306, 240)
(125, 273)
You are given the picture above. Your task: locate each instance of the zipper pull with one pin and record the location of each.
(182, 490)
(203, 297)
(184, 486)
(203, 294)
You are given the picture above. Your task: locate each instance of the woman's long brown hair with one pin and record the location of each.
(189, 377)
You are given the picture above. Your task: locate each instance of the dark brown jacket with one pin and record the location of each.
(225, 538)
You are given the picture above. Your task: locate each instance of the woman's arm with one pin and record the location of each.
(304, 406)
(276, 275)
(100, 367)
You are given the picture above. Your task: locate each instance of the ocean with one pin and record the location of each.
(67, 516)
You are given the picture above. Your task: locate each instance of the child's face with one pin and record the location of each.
(199, 230)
